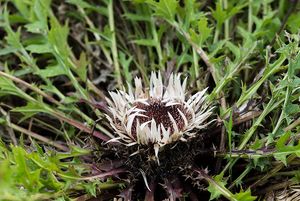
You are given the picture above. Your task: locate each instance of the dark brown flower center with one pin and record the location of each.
(158, 111)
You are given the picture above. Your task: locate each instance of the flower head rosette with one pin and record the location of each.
(159, 115)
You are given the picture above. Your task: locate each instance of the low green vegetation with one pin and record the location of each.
(59, 59)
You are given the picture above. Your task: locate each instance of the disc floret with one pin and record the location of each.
(159, 115)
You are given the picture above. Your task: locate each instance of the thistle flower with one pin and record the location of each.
(159, 115)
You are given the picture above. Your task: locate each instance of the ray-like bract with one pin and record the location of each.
(158, 115)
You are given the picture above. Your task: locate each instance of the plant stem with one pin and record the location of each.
(114, 42)
(273, 171)
(291, 126)
(199, 50)
(222, 189)
(226, 25)
(33, 134)
(157, 42)
(196, 67)
(270, 106)
(250, 22)
(282, 114)
(29, 86)
(240, 178)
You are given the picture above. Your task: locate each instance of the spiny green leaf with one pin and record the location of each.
(81, 66)
(13, 38)
(292, 109)
(57, 37)
(216, 47)
(219, 14)
(293, 22)
(81, 3)
(8, 50)
(281, 142)
(281, 157)
(51, 71)
(19, 157)
(284, 148)
(39, 48)
(234, 49)
(203, 29)
(75, 151)
(235, 9)
(36, 27)
(257, 144)
(8, 87)
(145, 42)
(23, 7)
(31, 109)
(165, 8)
(125, 64)
(49, 163)
(213, 188)
(41, 9)
(91, 188)
(244, 196)
(294, 63)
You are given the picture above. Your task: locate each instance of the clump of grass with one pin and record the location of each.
(59, 60)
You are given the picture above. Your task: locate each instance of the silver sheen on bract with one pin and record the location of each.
(159, 115)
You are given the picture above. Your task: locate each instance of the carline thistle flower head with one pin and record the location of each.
(159, 115)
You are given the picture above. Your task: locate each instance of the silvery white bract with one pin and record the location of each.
(159, 115)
